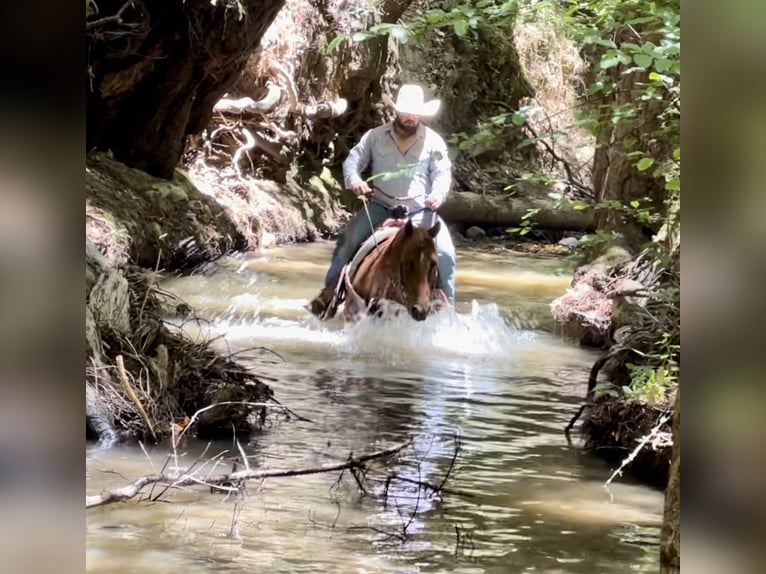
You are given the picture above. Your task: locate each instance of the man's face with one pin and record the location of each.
(407, 123)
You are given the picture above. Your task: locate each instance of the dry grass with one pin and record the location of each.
(584, 313)
(554, 66)
(112, 241)
(257, 206)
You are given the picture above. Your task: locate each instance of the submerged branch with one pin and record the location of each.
(131, 490)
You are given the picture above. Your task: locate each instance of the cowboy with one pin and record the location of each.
(409, 167)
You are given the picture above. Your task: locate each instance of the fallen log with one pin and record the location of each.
(469, 208)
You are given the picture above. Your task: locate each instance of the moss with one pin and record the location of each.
(169, 223)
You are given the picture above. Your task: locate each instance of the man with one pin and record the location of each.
(409, 166)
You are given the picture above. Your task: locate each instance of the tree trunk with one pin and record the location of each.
(670, 544)
(154, 76)
(615, 175)
(470, 208)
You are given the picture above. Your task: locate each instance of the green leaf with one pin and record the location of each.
(677, 154)
(335, 42)
(435, 17)
(624, 58)
(461, 27)
(361, 36)
(634, 204)
(642, 61)
(673, 184)
(645, 163)
(611, 62)
(518, 119)
(662, 64)
(600, 42)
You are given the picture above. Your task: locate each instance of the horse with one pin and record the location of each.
(395, 270)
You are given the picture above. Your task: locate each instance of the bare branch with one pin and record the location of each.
(131, 490)
(107, 19)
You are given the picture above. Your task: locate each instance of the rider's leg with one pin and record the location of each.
(356, 232)
(445, 251)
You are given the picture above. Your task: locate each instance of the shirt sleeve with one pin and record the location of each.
(441, 171)
(357, 161)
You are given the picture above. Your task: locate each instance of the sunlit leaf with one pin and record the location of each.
(645, 163)
(400, 33)
(673, 184)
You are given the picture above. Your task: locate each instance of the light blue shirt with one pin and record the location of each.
(423, 168)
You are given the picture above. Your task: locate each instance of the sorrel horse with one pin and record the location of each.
(400, 269)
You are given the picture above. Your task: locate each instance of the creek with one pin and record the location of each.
(493, 374)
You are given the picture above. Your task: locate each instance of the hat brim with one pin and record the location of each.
(426, 109)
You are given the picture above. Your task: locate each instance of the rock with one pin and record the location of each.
(570, 242)
(475, 233)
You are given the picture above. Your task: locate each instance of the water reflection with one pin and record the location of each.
(520, 500)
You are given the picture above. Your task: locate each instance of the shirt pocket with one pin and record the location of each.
(385, 147)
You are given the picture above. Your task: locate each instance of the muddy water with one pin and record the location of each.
(523, 500)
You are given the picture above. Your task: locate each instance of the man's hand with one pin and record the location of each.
(361, 188)
(433, 203)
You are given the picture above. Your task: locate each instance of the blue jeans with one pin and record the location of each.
(358, 230)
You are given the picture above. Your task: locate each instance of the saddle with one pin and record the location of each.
(375, 239)
(349, 270)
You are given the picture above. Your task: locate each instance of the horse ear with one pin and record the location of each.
(408, 228)
(434, 231)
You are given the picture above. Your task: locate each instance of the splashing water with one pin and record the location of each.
(481, 333)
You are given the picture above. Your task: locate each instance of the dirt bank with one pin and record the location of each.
(629, 306)
(143, 379)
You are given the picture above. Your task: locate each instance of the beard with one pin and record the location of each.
(407, 128)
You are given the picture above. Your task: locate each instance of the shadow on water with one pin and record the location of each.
(521, 499)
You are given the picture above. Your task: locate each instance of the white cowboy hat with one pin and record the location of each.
(410, 100)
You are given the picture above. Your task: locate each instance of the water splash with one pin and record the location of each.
(483, 331)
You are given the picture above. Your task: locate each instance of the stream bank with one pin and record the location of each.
(627, 305)
(144, 381)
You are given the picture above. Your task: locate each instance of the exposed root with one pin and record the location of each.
(161, 377)
(615, 428)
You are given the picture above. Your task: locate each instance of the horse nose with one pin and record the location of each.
(418, 312)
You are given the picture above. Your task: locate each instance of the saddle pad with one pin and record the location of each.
(380, 236)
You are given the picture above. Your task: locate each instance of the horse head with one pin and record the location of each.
(414, 251)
